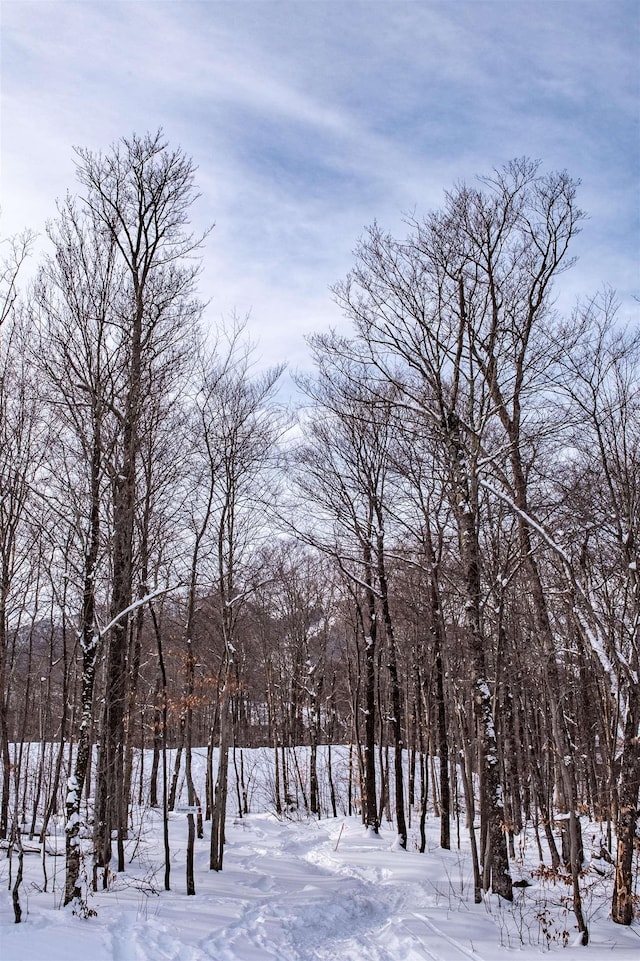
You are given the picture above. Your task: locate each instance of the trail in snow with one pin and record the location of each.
(297, 890)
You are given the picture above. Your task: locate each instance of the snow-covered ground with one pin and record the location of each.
(299, 889)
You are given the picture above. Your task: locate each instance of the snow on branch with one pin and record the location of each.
(528, 518)
(594, 642)
(136, 604)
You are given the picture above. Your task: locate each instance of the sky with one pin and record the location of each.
(310, 119)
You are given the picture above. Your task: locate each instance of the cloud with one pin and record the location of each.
(308, 120)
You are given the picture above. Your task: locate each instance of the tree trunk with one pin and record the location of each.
(496, 862)
(396, 696)
(622, 906)
(219, 807)
(89, 640)
(370, 652)
(438, 642)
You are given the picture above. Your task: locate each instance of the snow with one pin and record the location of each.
(301, 889)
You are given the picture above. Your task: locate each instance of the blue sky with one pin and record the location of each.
(310, 119)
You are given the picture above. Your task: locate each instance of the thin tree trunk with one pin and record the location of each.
(4, 706)
(396, 697)
(219, 807)
(369, 801)
(157, 744)
(15, 891)
(165, 784)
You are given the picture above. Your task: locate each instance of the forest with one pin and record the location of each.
(425, 552)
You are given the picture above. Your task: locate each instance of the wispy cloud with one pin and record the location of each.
(310, 119)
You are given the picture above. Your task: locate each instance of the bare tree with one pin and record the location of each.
(414, 331)
(421, 515)
(22, 446)
(15, 252)
(514, 239)
(140, 195)
(239, 427)
(13, 492)
(602, 380)
(345, 467)
(76, 292)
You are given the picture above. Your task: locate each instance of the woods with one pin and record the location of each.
(432, 560)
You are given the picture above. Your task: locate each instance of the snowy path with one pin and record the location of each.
(285, 894)
(309, 902)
